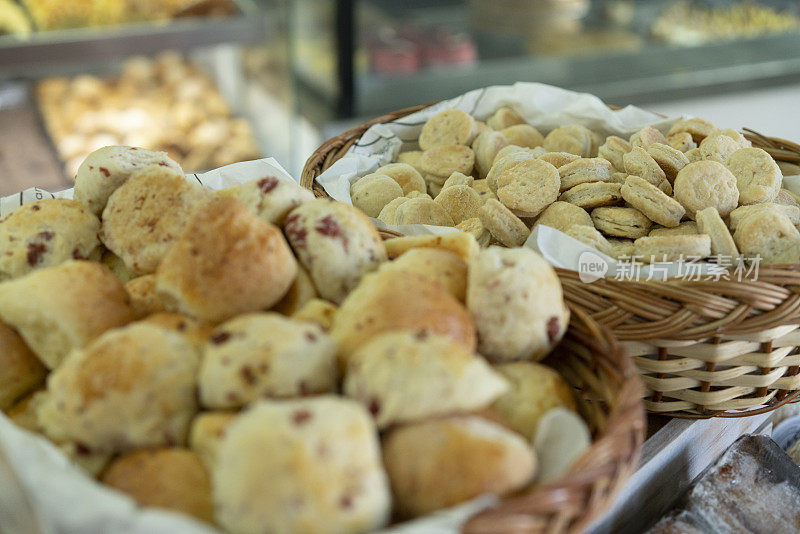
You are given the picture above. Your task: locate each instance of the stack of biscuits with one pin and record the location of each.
(696, 192)
(261, 360)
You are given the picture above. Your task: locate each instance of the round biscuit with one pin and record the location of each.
(758, 177)
(372, 192)
(523, 135)
(406, 176)
(528, 187)
(422, 211)
(573, 139)
(703, 184)
(613, 149)
(448, 127)
(461, 202)
(561, 215)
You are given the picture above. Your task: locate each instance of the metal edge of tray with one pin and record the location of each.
(104, 43)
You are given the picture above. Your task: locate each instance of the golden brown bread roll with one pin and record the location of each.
(225, 263)
(170, 478)
(392, 301)
(61, 308)
(20, 369)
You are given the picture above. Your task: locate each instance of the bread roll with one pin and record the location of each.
(226, 262)
(145, 216)
(20, 369)
(392, 301)
(170, 478)
(309, 465)
(517, 304)
(404, 376)
(535, 389)
(442, 462)
(336, 243)
(107, 168)
(265, 355)
(47, 233)
(132, 387)
(61, 308)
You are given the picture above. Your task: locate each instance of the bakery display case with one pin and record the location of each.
(389, 55)
(193, 78)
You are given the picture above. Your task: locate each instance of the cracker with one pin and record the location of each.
(704, 184)
(737, 215)
(486, 146)
(621, 222)
(758, 177)
(681, 141)
(770, 235)
(504, 226)
(422, 211)
(561, 215)
(573, 139)
(588, 235)
(639, 163)
(613, 149)
(646, 137)
(523, 135)
(652, 202)
(475, 227)
(373, 192)
(699, 129)
(652, 249)
(585, 170)
(448, 127)
(709, 222)
(684, 228)
(461, 243)
(593, 195)
(461, 202)
(503, 118)
(671, 160)
(529, 187)
(442, 161)
(406, 176)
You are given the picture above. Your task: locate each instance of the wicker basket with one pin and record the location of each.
(704, 348)
(592, 361)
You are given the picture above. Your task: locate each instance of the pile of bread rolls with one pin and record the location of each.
(167, 103)
(262, 360)
(697, 192)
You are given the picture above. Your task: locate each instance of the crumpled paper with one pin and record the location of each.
(545, 107)
(42, 492)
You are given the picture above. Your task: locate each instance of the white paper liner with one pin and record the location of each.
(66, 501)
(545, 107)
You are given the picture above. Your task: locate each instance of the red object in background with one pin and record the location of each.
(444, 47)
(392, 54)
(412, 47)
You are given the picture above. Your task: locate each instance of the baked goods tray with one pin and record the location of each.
(51, 48)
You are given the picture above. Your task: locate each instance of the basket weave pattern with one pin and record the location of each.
(704, 348)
